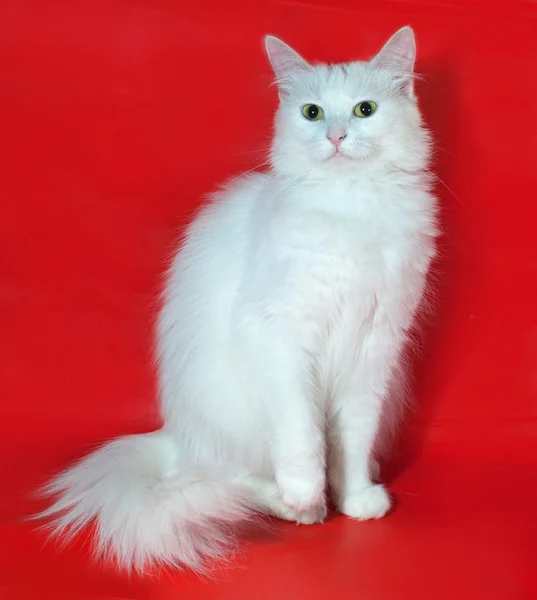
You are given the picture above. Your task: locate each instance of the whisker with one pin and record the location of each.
(444, 150)
(254, 168)
(259, 151)
(447, 188)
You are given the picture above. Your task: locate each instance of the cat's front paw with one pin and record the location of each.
(310, 516)
(372, 502)
(301, 494)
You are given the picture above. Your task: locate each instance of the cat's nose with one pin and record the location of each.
(336, 136)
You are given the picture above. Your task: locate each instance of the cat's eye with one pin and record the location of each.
(365, 109)
(312, 112)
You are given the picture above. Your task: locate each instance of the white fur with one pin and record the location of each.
(279, 343)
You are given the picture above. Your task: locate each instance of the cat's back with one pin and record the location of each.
(217, 235)
(205, 272)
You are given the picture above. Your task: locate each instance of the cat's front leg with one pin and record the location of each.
(352, 432)
(297, 453)
(295, 431)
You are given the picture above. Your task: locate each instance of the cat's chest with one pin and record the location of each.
(336, 255)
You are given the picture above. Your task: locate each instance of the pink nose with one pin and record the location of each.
(336, 137)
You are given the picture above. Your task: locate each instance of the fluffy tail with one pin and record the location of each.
(146, 507)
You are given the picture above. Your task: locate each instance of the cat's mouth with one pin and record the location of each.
(339, 155)
(358, 155)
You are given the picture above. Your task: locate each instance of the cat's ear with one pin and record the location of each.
(284, 60)
(398, 56)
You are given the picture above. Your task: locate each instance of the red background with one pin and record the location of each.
(116, 117)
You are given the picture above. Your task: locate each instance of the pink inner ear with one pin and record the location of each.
(283, 58)
(399, 52)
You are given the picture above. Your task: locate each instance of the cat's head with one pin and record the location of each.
(346, 118)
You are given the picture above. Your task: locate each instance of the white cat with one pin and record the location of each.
(285, 314)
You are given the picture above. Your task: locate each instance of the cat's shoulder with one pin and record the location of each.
(251, 182)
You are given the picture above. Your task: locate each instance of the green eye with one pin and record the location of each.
(312, 112)
(365, 109)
